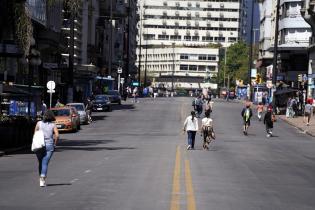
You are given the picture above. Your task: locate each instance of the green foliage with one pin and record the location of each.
(236, 64)
(23, 27)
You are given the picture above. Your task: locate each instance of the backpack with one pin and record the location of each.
(193, 103)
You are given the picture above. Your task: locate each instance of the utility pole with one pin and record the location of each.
(128, 39)
(224, 66)
(173, 70)
(250, 62)
(140, 47)
(110, 38)
(145, 67)
(71, 58)
(275, 52)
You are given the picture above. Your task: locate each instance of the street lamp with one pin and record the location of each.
(173, 45)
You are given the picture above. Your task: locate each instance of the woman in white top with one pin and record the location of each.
(191, 126)
(207, 130)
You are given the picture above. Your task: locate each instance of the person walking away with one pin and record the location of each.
(88, 108)
(260, 110)
(308, 111)
(199, 104)
(135, 95)
(59, 104)
(207, 130)
(191, 126)
(51, 136)
(208, 107)
(246, 114)
(269, 119)
(43, 108)
(294, 106)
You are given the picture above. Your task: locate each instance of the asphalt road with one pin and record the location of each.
(135, 158)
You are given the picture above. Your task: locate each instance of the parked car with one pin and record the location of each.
(80, 107)
(67, 118)
(102, 103)
(114, 96)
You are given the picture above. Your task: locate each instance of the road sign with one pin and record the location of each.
(51, 91)
(51, 85)
(269, 84)
(119, 70)
(136, 84)
(122, 80)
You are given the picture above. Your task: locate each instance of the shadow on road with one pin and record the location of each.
(92, 149)
(61, 184)
(98, 117)
(123, 107)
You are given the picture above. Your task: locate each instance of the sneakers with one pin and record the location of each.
(188, 147)
(42, 182)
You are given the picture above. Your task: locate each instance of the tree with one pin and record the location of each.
(236, 63)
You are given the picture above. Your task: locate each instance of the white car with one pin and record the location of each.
(80, 107)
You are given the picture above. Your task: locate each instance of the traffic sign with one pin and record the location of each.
(122, 80)
(269, 84)
(51, 91)
(119, 70)
(51, 85)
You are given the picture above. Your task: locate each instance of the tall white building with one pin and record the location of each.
(183, 37)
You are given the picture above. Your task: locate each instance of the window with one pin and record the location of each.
(195, 38)
(207, 38)
(201, 68)
(183, 67)
(163, 37)
(210, 68)
(187, 38)
(193, 67)
(183, 56)
(202, 57)
(211, 57)
(176, 37)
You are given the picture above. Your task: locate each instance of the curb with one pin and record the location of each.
(299, 128)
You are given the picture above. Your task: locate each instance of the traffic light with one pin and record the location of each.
(300, 79)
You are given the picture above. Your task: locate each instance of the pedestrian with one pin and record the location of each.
(260, 110)
(89, 108)
(207, 130)
(269, 119)
(198, 105)
(59, 104)
(135, 95)
(308, 111)
(43, 108)
(51, 136)
(191, 126)
(246, 115)
(208, 106)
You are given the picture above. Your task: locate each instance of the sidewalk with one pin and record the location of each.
(298, 123)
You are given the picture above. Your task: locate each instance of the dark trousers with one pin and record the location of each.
(191, 138)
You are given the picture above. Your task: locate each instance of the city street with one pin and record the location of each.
(135, 158)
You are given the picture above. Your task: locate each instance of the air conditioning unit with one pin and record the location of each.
(177, 13)
(164, 32)
(164, 13)
(209, 5)
(221, 15)
(209, 23)
(176, 31)
(176, 23)
(208, 33)
(220, 24)
(197, 4)
(220, 33)
(189, 14)
(197, 23)
(188, 23)
(165, 3)
(209, 14)
(189, 4)
(196, 33)
(177, 4)
(188, 32)
(197, 14)
(222, 5)
(164, 22)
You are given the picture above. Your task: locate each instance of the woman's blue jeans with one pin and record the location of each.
(191, 138)
(44, 155)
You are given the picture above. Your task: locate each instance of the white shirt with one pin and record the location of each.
(191, 125)
(207, 122)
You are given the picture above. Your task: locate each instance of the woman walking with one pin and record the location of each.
(268, 121)
(51, 136)
(191, 126)
(207, 131)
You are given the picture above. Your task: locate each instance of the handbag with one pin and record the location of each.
(38, 141)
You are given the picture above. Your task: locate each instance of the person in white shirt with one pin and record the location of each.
(191, 126)
(207, 130)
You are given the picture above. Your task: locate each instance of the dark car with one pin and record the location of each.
(114, 96)
(102, 103)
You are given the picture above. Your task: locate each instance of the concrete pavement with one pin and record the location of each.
(299, 123)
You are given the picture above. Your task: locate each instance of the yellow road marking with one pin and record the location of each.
(191, 203)
(175, 202)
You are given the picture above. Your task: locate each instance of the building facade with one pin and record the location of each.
(188, 27)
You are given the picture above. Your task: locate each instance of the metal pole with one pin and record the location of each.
(128, 39)
(110, 38)
(250, 62)
(224, 66)
(71, 59)
(30, 77)
(140, 47)
(145, 67)
(275, 54)
(118, 83)
(173, 45)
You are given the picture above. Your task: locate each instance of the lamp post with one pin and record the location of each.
(275, 54)
(173, 70)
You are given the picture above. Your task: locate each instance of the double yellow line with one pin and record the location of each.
(190, 196)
